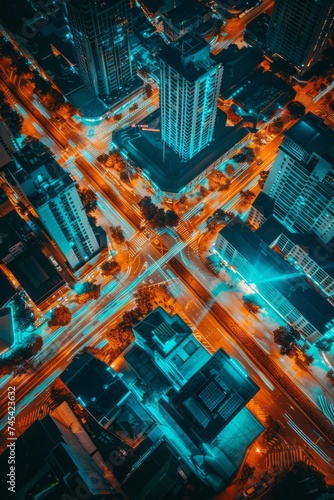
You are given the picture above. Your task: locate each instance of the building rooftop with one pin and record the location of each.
(262, 93)
(6, 328)
(271, 267)
(189, 56)
(36, 274)
(14, 234)
(212, 397)
(237, 64)
(7, 289)
(161, 475)
(145, 368)
(95, 386)
(146, 150)
(318, 251)
(159, 328)
(313, 135)
(52, 463)
(264, 204)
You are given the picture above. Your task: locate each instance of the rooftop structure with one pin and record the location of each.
(6, 328)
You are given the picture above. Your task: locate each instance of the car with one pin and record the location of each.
(259, 162)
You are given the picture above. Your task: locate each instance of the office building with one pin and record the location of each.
(101, 31)
(51, 193)
(299, 30)
(277, 282)
(301, 181)
(189, 87)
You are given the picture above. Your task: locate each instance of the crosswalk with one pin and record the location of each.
(183, 231)
(37, 413)
(138, 241)
(286, 458)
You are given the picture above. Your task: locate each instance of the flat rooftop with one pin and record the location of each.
(145, 149)
(189, 56)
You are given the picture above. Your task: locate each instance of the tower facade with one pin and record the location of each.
(299, 29)
(301, 180)
(101, 31)
(51, 193)
(189, 88)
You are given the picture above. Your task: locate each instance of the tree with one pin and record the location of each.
(247, 473)
(103, 158)
(88, 291)
(117, 234)
(286, 337)
(218, 218)
(23, 315)
(247, 196)
(61, 316)
(245, 155)
(147, 208)
(183, 199)
(148, 91)
(125, 176)
(21, 65)
(133, 107)
(42, 86)
(36, 345)
(282, 68)
(203, 191)
(89, 199)
(159, 219)
(263, 177)
(229, 169)
(325, 343)
(217, 180)
(172, 219)
(116, 161)
(302, 358)
(299, 482)
(251, 306)
(12, 118)
(60, 393)
(117, 117)
(276, 127)
(110, 268)
(296, 109)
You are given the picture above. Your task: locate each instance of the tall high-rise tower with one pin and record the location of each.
(189, 87)
(299, 29)
(47, 189)
(100, 30)
(301, 180)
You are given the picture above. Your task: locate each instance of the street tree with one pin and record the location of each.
(89, 199)
(250, 305)
(159, 219)
(61, 316)
(148, 90)
(203, 191)
(299, 482)
(325, 343)
(286, 337)
(217, 180)
(296, 109)
(147, 208)
(172, 219)
(263, 177)
(110, 268)
(103, 158)
(247, 473)
(229, 169)
(276, 126)
(117, 234)
(21, 65)
(218, 218)
(245, 155)
(247, 196)
(88, 291)
(42, 86)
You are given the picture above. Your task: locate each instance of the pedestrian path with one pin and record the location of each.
(286, 458)
(37, 413)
